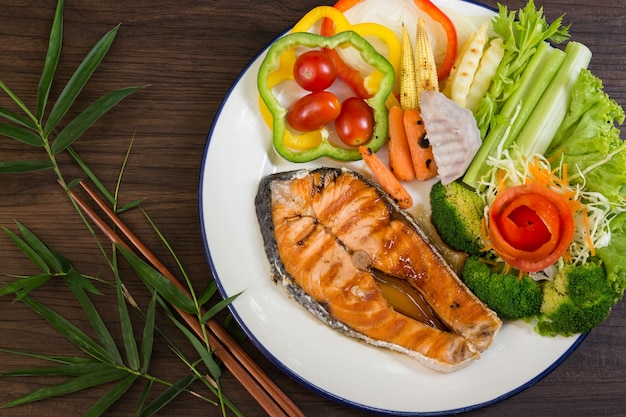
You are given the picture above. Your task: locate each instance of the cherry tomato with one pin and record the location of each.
(314, 71)
(355, 123)
(313, 111)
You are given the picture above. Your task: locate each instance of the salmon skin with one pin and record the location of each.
(326, 231)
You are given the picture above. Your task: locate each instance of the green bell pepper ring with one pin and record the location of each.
(369, 55)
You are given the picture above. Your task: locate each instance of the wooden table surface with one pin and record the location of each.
(190, 52)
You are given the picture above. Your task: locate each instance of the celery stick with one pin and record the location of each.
(536, 136)
(517, 109)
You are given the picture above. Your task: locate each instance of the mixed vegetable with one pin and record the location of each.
(512, 132)
(313, 111)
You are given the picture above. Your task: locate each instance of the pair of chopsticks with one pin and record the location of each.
(269, 396)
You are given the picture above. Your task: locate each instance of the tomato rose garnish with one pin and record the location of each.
(530, 226)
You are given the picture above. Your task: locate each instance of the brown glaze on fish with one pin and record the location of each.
(327, 230)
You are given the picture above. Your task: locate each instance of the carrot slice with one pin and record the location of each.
(385, 178)
(421, 152)
(400, 161)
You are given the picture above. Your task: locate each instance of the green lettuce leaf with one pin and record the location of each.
(589, 141)
(613, 255)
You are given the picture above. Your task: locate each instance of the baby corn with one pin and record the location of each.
(408, 77)
(425, 67)
(418, 68)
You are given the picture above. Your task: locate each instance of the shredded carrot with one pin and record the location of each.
(400, 161)
(500, 180)
(421, 151)
(489, 262)
(543, 175)
(592, 249)
(484, 232)
(567, 257)
(385, 178)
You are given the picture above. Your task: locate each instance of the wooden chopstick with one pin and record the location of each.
(269, 396)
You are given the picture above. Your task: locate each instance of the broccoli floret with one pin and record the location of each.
(577, 300)
(457, 213)
(509, 296)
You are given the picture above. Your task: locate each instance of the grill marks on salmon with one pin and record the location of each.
(326, 231)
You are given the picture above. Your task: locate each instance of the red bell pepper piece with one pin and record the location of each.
(351, 76)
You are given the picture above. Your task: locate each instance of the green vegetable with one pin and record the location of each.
(577, 300)
(509, 296)
(528, 65)
(457, 214)
(588, 140)
(612, 256)
(377, 102)
(517, 108)
(539, 131)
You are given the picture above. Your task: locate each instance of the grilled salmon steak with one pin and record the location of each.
(328, 232)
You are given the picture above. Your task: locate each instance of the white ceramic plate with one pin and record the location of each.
(237, 155)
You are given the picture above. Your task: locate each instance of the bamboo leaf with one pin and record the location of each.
(200, 347)
(144, 395)
(61, 370)
(76, 384)
(70, 331)
(83, 282)
(127, 328)
(83, 121)
(17, 118)
(75, 283)
(28, 251)
(15, 167)
(52, 58)
(20, 134)
(46, 253)
(79, 79)
(110, 397)
(57, 359)
(167, 396)
(209, 291)
(147, 341)
(154, 279)
(129, 206)
(25, 285)
(91, 175)
(218, 307)
(16, 99)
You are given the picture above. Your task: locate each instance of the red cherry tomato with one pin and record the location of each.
(314, 71)
(355, 123)
(314, 111)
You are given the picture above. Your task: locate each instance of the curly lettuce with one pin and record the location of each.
(613, 256)
(589, 142)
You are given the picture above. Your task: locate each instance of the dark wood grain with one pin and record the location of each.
(190, 52)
